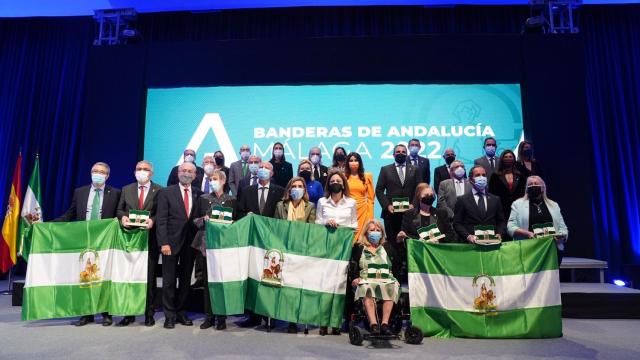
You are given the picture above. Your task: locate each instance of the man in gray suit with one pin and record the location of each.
(141, 195)
(452, 188)
(239, 169)
(490, 162)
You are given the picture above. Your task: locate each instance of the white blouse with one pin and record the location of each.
(344, 212)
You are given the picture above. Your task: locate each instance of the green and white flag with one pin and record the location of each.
(286, 270)
(430, 232)
(138, 217)
(461, 290)
(220, 213)
(544, 229)
(400, 204)
(84, 267)
(32, 206)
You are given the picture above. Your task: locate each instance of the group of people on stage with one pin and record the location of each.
(505, 191)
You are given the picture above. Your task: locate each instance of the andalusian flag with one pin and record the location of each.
(31, 209)
(286, 270)
(462, 290)
(83, 268)
(11, 220)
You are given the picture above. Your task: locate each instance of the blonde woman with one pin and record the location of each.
(314, 187)
(373, 249)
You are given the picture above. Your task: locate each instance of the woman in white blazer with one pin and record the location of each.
(536, 208)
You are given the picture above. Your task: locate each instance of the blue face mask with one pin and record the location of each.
(253, 168)
(98, 179)
(374, 237)
(480, 182)
(414, 150)
(490, 150)
(297, 193)
(264, 174)
(215, 185)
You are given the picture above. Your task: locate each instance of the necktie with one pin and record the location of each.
(206, 186)
(493, 164)
(481, 205)
(263, 201)
(186, 201)
(95, 206)
(316, 173)
(415, 161)
(401, 174)
(244, 169)
(141, 198)
(253, 180)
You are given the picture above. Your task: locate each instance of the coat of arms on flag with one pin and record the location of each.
(484, 291)
(486, 235)
(90, 276)
(138, 217)
(272, 268)
(221, 214)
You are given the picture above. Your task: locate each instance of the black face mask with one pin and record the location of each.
(534, 192)
(400, 158)
(335, 188)
(527, 153)
(305, 174)
(219, 161)
(449, 159)
(428, 200)
(340, 157)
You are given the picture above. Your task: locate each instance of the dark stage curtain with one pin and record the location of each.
(43, 66)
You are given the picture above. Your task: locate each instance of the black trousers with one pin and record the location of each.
(205, 288)
(176, 267)
(154, 255)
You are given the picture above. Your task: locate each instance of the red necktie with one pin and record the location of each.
(186, 201)
(141, 198)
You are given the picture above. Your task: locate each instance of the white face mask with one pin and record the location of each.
(215, 185)
(459, 172)
(142, 176)
(315, 159)
(189, 158)
(208, 169)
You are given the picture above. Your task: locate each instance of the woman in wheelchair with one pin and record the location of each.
(372, 262)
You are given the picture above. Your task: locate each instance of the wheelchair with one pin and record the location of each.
(359, 330)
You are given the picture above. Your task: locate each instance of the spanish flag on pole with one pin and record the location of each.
(11, 221)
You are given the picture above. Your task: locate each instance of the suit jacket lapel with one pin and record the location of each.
(180, 198)
(82, 202)
(150, 195)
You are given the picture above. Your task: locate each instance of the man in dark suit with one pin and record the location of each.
(419, 162)
(442, 172)
(94, 202)
(318, 170)
(238, 170)
(490, 161)
(478, 207)
(253, 165)
(189, 155)
(175, 231)
(397, 180)
(259, 199)
(142, 195)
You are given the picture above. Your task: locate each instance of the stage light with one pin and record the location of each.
(619, 282)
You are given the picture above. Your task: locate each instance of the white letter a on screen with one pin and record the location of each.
(213, 122)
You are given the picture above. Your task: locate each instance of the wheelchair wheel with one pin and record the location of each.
(413, 335)
(355, 336)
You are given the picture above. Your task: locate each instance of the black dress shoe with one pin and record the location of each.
(149, 320)
(252, 321)
(384, 329)
(84, 320)
(126, 321)
(293, 328)
(208, 322)
(169, 324)
(323, 330)
(335, 331)
(375, 329)
(107, 320)
(184, 320)
(221, 323)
